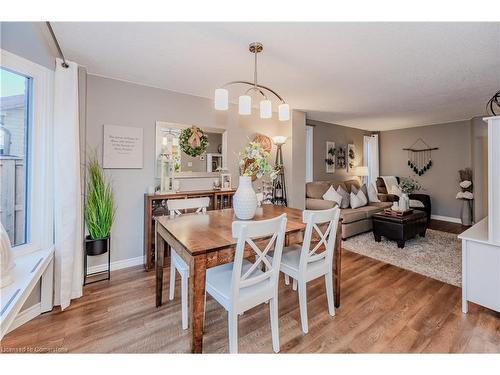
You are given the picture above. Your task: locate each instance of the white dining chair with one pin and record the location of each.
(176, 208)
(303, 263)
(242, 285)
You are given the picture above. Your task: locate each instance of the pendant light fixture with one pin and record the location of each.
(221, 97)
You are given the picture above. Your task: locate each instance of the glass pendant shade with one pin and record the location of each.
(245, 105)
(279, 139)
(221, 99)
(266, 109)
(284, 112)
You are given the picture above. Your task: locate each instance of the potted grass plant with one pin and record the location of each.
(99, 209)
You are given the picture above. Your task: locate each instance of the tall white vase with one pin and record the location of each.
(245, 199)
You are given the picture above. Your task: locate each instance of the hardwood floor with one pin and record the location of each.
(446, 226)
(384, 309)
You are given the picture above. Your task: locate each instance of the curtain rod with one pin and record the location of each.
(64, 63)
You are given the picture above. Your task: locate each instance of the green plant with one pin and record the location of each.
(100, 206)
(187, 147)
(409, 185)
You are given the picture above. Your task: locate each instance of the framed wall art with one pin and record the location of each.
(330, 157)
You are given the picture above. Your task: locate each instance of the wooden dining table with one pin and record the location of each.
(205, 240)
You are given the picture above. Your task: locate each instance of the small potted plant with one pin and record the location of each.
(99, 209)
(408, 186)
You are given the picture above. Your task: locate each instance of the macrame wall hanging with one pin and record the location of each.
(420, 159)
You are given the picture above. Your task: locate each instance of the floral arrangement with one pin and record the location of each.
(465, 184)
(193, 141)
(254, 161)
(409, 185)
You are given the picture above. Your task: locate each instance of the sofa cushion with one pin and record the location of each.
(316, 189)
(350, 215)
(381, 205)
(336, 185)
(370, 210)
(350, 183)
(319, 204)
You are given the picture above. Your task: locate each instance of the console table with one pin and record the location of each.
(156, 205)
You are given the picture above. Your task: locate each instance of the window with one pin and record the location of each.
(26, 202)
(14, 130)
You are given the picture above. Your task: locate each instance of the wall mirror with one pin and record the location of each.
(208, 163)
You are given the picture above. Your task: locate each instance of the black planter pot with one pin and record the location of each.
(96, 247)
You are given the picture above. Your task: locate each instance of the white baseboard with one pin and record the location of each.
(117, 265)
(447, 218)
(25, 316)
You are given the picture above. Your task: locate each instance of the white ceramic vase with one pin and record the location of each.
(245, 199)
(404, 202)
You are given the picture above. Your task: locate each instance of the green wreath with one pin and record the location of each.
(186, 146)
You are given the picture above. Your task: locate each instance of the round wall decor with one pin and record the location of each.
(193, 141)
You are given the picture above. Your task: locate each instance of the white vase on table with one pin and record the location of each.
(404, 202)
(245, 199)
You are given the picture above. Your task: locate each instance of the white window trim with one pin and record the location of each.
(40, 215)
(309, 153)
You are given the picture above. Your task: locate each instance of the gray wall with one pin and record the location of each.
(342, 136)
(441, 181)
(29, 40)
(120, 103)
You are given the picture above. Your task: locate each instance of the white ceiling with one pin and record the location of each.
(374, 76)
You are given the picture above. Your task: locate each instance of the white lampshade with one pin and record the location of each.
(279, 139)
(284, 112)
(245, 105)
(361, 171)
(266, 109)
(221, 99)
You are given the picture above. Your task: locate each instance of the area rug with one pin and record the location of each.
(438, 255)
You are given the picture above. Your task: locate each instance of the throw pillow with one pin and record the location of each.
(358, 200)
(414, 203)
(332, 195)
(345, 197)
(372, 194)
(364, 189)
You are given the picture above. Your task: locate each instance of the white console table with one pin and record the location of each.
(481, 242)
(480, 268)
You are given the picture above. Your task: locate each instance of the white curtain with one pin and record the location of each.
(67, 188)
(370, 151)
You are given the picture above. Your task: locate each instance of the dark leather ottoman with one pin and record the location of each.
(399, 229)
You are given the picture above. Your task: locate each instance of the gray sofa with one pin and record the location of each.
(354, 221)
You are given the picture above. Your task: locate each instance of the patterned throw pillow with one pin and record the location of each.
(332, 195)
(359, 199)
(345, 197)
(372, 193)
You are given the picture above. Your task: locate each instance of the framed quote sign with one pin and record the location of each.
(122, 147)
